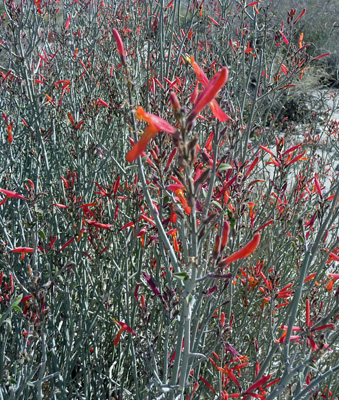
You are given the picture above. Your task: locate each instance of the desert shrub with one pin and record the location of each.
(197, 263)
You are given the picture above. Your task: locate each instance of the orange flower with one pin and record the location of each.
(10, 136)
(244, 252)
(301, 37)
(183, 201)
(249, 50)
(178, 190)
(173, 216)
(71, 118)
(155, 125)
(49, 99)
(202, 78)
(173, 233)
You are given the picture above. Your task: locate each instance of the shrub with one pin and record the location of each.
(205, 264)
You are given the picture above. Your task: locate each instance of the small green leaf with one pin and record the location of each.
(16, 308)
(9, 322)
(181, 275)
(231, 218)
(301, 239)
(17, 300)
(215, 203)
(224, 167)
(42, 235)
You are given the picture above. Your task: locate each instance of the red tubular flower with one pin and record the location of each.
(98, 224)
(155, 125)
(272, 383)
(178, 190)
(173, 233)
(322, 55)
(153, 286)
(251, 167)
(120, 45)
(143, 301)
(123, 327)
(211, 90)
(116, 212)
(317, 184)
(10, 194)
(170, 159)
(312, 343)
(71, 118)
(202, 78)
(68, 22)
(26, 298)
(101, 102)
(59, 205)
(260, 382)
(245, 251)
(38, 4)
(297, 158)
(206, 383)
(127, 225)
(173, 216)
(249, 50)
(22, 250)
(175, 103)
(9, 130)
(158, 122)
(217, 247)
(320, 328)
(284, 38)
(226, 371)
(195, 93)
(222, 319)
(140, 146)
(300, 15)
(67, 244)
(266, 224)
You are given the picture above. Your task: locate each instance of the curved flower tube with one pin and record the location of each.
(155, 125)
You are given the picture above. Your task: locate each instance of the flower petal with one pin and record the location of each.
(211, 90)
(140, 146)
(218, 112)
(159, 123)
